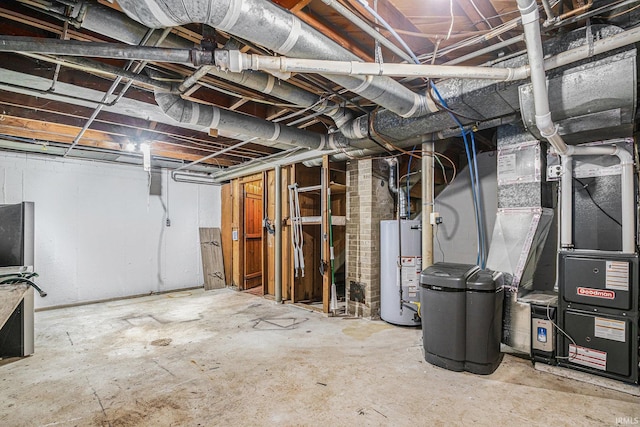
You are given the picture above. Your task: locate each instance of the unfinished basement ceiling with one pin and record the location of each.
(101, 108)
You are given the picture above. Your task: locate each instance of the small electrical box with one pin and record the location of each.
(543, 333)
(435, 218)
(554, 172)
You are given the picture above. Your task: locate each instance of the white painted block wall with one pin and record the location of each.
(99, 235)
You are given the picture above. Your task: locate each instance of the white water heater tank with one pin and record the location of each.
(400, 266)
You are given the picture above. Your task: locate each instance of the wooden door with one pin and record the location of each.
(252, 236)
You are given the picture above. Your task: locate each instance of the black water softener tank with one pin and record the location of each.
(485, 297)
(461, 308)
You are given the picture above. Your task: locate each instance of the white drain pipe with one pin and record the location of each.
(627, 192)
(530, 21)
(235, 61)
(531, 24)
(428, 149)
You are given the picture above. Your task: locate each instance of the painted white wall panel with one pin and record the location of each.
(100, 235)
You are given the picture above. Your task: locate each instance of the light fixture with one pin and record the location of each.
(146, 156)
(130, 146)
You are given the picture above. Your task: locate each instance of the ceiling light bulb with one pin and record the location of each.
(146, 156)
(130, 146)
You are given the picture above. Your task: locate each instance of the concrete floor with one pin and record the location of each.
(227, 358)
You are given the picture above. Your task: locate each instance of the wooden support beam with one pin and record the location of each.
(65, 134)
(192, 90)
(333, 35)
(49, 111)
(473, 15)
(296, 6)
(309, 123)
(238, 103)
(44, 25)
(326, 244)
(300, 5)
(397, 20)
(277, 113)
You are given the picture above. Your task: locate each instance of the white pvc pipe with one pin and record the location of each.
(530, 22)
(427, 203)
(627, 190)
(238, 61)
(566, 203)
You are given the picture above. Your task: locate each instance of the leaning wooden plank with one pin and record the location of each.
(218, 260)
(212, 261)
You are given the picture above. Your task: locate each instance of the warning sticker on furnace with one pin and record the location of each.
(610, 329)
(617, 275)
(588, 357)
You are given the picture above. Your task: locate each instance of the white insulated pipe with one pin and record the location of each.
(237, 62)
(627, 199)
(427, 203)
(566, 203)
(531, 23)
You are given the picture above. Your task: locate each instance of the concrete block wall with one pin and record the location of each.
(368, 202)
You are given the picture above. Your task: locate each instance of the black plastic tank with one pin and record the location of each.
(461, 309)
(443, 312)
(485, 297)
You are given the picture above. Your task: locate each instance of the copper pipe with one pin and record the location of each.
(569, 14)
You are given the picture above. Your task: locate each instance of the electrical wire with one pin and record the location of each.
(622, 13)
(444, 173)
(438, 240)
(387, 146)
(478, 189)
(585, 187)
(453, 165)
(480, 258)
(446, 108)
(570, 356)
(474, 198)
(406, 175)
(452, 19)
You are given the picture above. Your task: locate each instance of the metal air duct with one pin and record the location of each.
(268, 25)
(210, 117)
(109, 22)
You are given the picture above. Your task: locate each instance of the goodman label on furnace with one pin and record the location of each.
(610, 329)
(595, 293)
(617, 277)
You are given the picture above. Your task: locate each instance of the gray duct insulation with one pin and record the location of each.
(268, 25)
(209, 116)
(106, 21)
(610, 76)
